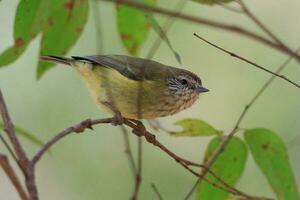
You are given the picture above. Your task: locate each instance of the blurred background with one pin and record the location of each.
(93, 165)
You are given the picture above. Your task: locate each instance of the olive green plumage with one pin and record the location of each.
(138, 88)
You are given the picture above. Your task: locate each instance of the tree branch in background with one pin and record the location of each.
(226, 139)
(210, 23)
(248, 61)
(23, 161)
(128, 151)
(248, 13)
(13, 177)
(98, 26)
(154, 188)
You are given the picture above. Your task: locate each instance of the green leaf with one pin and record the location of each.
(228, 166)
(29, 21)
(65, 24)
(271, 156)
(26, 135)
(133, 26)
(195, 127)
(212, 2)
(152, 21)
(60, 21)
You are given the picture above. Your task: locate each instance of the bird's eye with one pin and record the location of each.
(183, 81)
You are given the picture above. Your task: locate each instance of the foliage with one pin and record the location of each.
(59, 21)
(270, 154)
(26, 134)
(212, 2)
(133, 26)
(229, 166)
(195, 127)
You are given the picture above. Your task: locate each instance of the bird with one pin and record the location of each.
(134, 87)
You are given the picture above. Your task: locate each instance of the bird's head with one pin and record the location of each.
(185, 84)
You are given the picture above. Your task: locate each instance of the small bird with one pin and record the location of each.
(136, 88)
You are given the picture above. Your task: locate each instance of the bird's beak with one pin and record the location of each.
(201, 89)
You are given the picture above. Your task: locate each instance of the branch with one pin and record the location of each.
(77, 128)
(208, 163)
(248, 61)
(128, 151)
(10, 131)
(248, 13)
(154, 188)
(13, 177)
(23, 162)
(210, 23)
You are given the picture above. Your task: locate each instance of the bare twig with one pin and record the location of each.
(24, 163)
(128, 151)
(165, 28)
(13, 177)
(138, 177)
(10, 150)
(230, 8)
(10, 131)
(248, 13)
(210, 23)
(248, 61)
(77, 128)
(154, 188)
(225, 140)
(99, 38)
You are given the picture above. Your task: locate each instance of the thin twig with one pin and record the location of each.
(140, 131)
(10, 150)
(98, 27)
(138, 175)
(156, 191)
(210, 23)
(77, 128)
(208, 163)
(230, 8)
(13, 177)
(165, 28)
(10, 131)
(24, 163)
(248, 61)
(248, 13)
(128, 151)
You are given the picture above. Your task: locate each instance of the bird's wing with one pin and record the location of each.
(130, 67)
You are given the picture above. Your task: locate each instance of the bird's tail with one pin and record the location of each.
(57, 59)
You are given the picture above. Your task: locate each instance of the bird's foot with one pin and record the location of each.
(118, 118)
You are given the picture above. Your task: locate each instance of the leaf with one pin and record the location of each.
(212, 2)
(65, 24)
(195, 127)
(26, 135)
(228, 166)
(271, 156)
(29, 21)
(133, 26)
(152, 21)
(60, 21)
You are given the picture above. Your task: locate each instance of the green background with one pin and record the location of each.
(93, 165)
